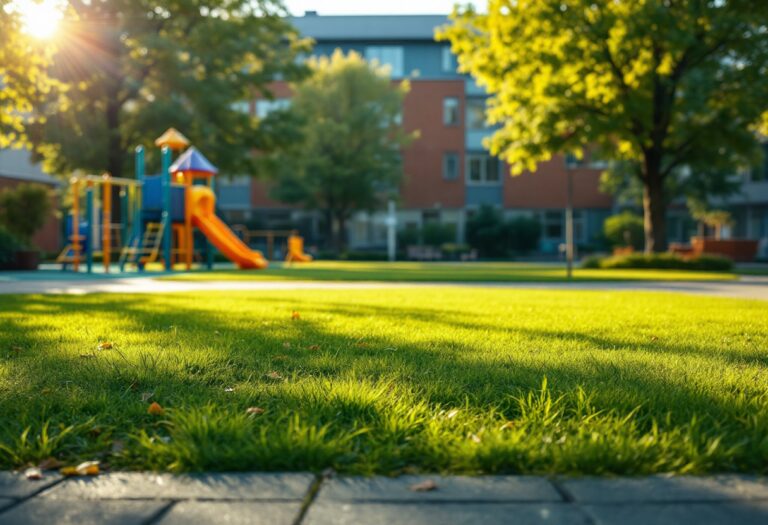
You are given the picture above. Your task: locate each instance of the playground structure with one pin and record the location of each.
(294, 244)
(157, 215)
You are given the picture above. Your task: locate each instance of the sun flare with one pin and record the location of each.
(40, 18)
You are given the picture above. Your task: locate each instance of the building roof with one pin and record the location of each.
(15, 165)
(369, 27)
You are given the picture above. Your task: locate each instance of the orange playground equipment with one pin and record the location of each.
(156, 215)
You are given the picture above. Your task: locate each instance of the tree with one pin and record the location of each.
(348, 159)
(659, 85)
(24, 210)
(137, 67)
(23, 77)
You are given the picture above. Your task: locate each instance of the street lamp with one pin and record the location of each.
(571, 163)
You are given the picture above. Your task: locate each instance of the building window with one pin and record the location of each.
(265, 107)
(483, 169)
(554, 227)
(476, 113)
(392, 56)
(451, 166)
(449, 60)
(451, 111)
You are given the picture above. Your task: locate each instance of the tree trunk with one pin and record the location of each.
(654, 214)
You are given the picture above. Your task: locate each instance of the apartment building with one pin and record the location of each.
(447, 172)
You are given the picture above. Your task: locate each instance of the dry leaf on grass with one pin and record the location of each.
(254, 411)
(275, 376)
(295, 315)
(313, 347)
(50, 464)
(105, 345)
(424, 486)
(155, 409)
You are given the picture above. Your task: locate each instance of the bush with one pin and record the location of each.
(625, 229)
(24, 210)
(492, 236)
(9, 245)
(437, 234)
(661, 261)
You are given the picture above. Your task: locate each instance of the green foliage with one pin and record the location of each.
(349, 157)
(492, 236)
(23, 76)
(388, 380)
(659, 85)
(438, 233)
(190, 65)
(624, 229)
(9, 245)
(24, 209)
(662, 261)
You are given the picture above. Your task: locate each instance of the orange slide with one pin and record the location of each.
(203, 203)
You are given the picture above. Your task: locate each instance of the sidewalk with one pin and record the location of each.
(286, 499)
(747, 287)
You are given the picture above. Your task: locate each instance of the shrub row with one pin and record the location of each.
(661, 261)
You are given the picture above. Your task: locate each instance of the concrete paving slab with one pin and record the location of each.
(46, 511)
(232, 513)
(444, 513)
(667, 488)
(15, 485)
(451, 488)
(137, 485)
(750, 512)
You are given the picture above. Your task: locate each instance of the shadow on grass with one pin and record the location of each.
(363, 403)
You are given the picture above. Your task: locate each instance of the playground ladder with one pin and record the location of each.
(149, 250)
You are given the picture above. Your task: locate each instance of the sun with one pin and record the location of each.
(39, 18)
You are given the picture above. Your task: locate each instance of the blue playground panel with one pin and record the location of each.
(152, 200)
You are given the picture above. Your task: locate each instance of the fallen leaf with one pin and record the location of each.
(313, 347)
(507, 426)
(50, 464)
(274, 375)
(155, 409)
(424, 486)
(254, 411)
(33, 473)
(295, 315)
(475, 438)
(146, 396)
(88, 468)
(105, 345)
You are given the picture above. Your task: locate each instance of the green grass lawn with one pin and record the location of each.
(388, 381)
(442, 272)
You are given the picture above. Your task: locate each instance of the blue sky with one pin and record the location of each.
(374, 7)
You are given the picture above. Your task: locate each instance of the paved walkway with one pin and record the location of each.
(748, 287)
(292, 499)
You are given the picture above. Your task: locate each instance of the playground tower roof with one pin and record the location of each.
(173, 139)
(192, 161)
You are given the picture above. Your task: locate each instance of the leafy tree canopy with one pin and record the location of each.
(23, 78)
(349, 156)
(137, 67)
(658, 84)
